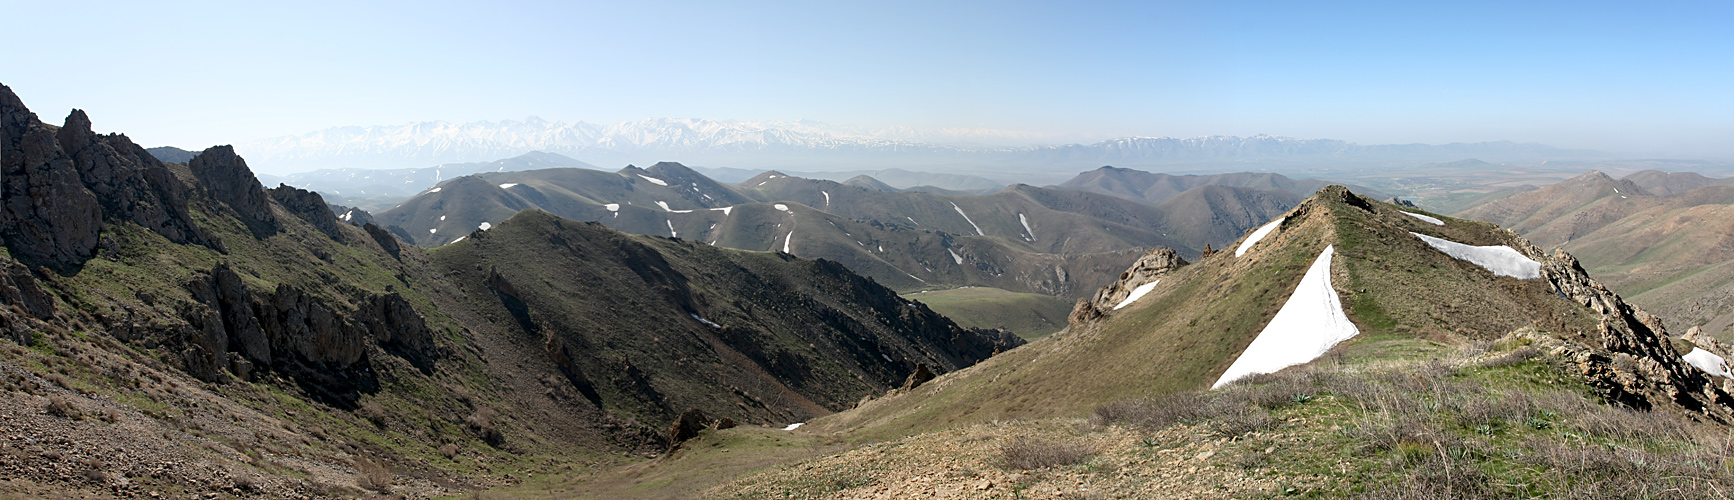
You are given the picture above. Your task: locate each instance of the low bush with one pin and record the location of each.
(1030, 454)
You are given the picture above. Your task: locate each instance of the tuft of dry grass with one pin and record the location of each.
(1031, 454)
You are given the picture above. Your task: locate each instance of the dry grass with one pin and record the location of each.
(1031, 454)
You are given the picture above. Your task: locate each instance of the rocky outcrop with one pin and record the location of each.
(310, 207)
(1636, 363)
(1149, 267)
(226, 179)
(290, 330)
(384, 238)
(352, 215)
(46, 214)
(130, 183)
(690, 423)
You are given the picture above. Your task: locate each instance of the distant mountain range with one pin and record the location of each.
(805, 145)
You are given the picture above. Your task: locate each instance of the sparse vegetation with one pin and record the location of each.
(1032, 453)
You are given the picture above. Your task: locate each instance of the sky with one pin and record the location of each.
(1641, 78)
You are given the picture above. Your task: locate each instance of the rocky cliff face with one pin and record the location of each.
(226, 179)
(310, 207)
(46, 214)
(129, 183)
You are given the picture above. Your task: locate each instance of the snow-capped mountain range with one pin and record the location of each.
(804, 144)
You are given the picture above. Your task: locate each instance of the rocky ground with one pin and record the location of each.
(971, 463)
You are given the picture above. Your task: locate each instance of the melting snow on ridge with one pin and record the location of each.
(827, 198)
(1429, 220)
(485, 226)
(434, 190)
(1026, 223)
(1137, 293)
(1708, 361)
(965, 217)
(724, 210)
(1307, 326)
(781, 206)
(348, 215)
(1500, 259)
(653, 180)
(1258, 235)
(461, 238)
(664, 205)
(671, 232)
(794, 426)
(786, 240)
(508, 185)
(955, 256)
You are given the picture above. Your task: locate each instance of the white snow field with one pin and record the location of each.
(793, 426)
(460, 238)
(1026, 223)
(1430, 220)
(1500, 259)
(654, 180)
(1137, 293)
(827, 198)
(965, 217)
(434, 190)
(508, 185)
(786, 240)
(724, 210)
(955, 257)
(1709, 362)
(485, 226)
(1307, 326)
(664, 205)
(671, 232)
(781, 206)
(1257, 235)
(612, 207)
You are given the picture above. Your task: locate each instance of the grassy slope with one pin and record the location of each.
(1031, 316)
(1185, 332)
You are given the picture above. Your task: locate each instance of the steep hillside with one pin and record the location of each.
(1661, 183)
(1022, 238)
(648, 327)
(1668, 253)
(1168, 327)
(178, 330)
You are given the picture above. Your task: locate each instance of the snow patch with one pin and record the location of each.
(1429, 220)
(1500, 259)
(724, 210)
(1258, 235)
(460, 238)
(442, 217)
(794, 426)
(1137, 293)
(781, 206)
(786, 240)
(1709, 362)
(1307, 326)
(705, 321)
(508, 185)
(663, 204)
(1026, 223)
(965, 217)
(882, 355)
(348, 215)
(827, 198)
(433, 231)
(485, 226)
(434, 190)
(955, 256)
(671, 232)
(612, 207)
(654, 180)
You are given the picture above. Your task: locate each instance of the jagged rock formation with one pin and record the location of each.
(46, 214)
(1149, 267)
(310, 207)
(130, 184)
(1635, 364)
(226, 179)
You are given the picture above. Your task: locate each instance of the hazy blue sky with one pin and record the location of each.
(1640, 77)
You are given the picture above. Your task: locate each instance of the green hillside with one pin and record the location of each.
(1029, 315)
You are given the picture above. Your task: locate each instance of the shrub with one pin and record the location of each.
(1030, 454)
(482, 422)
(450, 451)
(372, 412)
(371, 475)
(61, 407)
